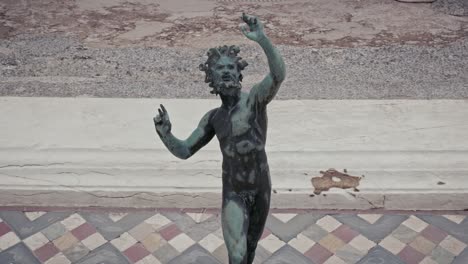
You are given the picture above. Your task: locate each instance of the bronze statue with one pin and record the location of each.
(240, 124)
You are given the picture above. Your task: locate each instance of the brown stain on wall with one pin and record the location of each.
(334, 179)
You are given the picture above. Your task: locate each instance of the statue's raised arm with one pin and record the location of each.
(264, 91)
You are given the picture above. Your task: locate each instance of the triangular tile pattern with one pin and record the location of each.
(458, 230)
(117, 216)
(34, 215)
(174, 236)
(375, 232)
(284, 217)
(24, 227)
(370, 218)
(289, 230)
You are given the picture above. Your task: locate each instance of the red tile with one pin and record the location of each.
(46, 252)
(318, 254)
(136, 252)
(83, 231)
(170, 232)
(4, 228)
(266, 232)
(434, 234)
(345, 233)
(411, 256)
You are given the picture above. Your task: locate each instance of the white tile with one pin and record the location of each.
(73, 222)
(34, 215)
(199, 217)
(150, 259)
(301, 243)
(271, 243)
(392, 244)
(370, 218)
(334, 260)
(117, 216)
(211, 242)
(181, 242)
(361, 243)
(94, 241)
(284, 217)
(428, 260)
(8, 240)
(157, 221)
(455, 218)
(415, 223)
(36, 241)
(452, 245)
(58, 259)
(328, 223)
(124, 242)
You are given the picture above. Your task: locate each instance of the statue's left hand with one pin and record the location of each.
(255, 27)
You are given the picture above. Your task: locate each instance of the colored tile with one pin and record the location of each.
(106, 254)
(24, 227)
(18, 254)
(422, 245)
(4, 228)
(284, 217)
(441, 255)
(434, 234)
(181, 242)
(361, 243)
(199, 217)
(140, 231)
(287, 255)
(271, 243)
(370, 218)
(73, 221)
(211, 243)
(115, 217)
(266, 232)
(318, 254)
(328, 223)
(334, 260)
(124, 241)
(46, 252)
(411, 256)
(166, 253)
(60, 258)
(54, 231)
(455, 218)
(34, 215)
(404, 234)
(150, 259)
(452, 245)
(289, 230)
(66, 241)
(195, 254)
(94, 241)
(415, 223)
(345, 233)
(153, 242)
(301, 243)
(36, 241)
(136, 252)
(392, 244)
(315, 232)
(349, 254)
(8, 240)
(76, 252)
(331, 243)
(83, 231)
(158, 221)
(380, 255)
(170, 232)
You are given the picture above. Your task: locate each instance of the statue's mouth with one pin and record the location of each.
(226, 78)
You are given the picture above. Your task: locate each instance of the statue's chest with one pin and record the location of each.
(232, 123)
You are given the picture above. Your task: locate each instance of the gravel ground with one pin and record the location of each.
(53, 65)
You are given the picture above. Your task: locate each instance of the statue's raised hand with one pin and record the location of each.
(161, 121)
(255, 31)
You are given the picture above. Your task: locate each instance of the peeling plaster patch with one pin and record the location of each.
(334, 179)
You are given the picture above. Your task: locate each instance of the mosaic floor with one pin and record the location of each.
(181, 237)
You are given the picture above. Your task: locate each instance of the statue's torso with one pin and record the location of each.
(241, 132)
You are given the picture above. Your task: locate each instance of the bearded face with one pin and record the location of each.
(226, 76)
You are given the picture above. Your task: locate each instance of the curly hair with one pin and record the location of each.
(214, 54)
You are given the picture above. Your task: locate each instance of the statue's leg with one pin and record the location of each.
(258, 217)
(235, 223)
